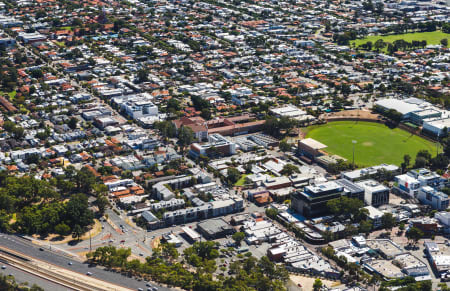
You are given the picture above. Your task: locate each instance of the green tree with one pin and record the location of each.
(102, 203)
(272, 213)
(84, 180)
(73, 123)
(185, 136)
(414, 234)
(238, 237)
(142, 75)
(317, 286)
(388, 221)
(62, 229)
(444, 42)
(77, 232)
(284, 146)
(77, 211)
(365, 226)
(233, 175)
(289, 169)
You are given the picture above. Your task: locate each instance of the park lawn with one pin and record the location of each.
(12, 94)
(241, 181)
(60, 44)
(376, 143)
(433, 37)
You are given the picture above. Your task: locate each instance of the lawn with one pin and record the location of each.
(433, 37)
(12, 94)
(376, 143)
(241, 181)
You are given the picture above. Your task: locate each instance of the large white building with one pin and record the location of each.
(375, 193)
(436, 199)
(140, 108)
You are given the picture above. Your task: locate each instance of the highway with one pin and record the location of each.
(24, 246)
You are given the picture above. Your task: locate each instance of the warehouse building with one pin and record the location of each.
(214, 228)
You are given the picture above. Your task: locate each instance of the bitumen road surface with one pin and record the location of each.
(26, 247)
(25, 277)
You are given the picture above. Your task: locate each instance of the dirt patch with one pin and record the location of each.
(367, 143)
(308, 282)
(56, 239)
(363, 114)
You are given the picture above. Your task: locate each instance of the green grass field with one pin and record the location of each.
(241, 181)
(376, 143)
(433, 37)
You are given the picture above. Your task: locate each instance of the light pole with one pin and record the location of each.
(353, 163)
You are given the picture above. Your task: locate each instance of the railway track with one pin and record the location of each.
(67, 278)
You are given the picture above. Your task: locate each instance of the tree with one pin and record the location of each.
(406, 162)
(142, 76)
(206, 113)
(77, 232)
(317, 286)
(72, 123)
(289, 169)
(185, 136)
(379, 44)
(388, 221)
(414, 234)
(233, 175)
(62, 229)
(77, 211)
(84, 180)
(444, 42)
(102, 202)
(271, 213)
(18, 132)
(284, 146)
(238, 237)
(365, 226)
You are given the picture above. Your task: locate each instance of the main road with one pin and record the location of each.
(26, 247)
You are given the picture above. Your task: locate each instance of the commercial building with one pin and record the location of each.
(436, 127)
(369, 172)
(312, 200)
(217, 146)
(214, 228)
(406, 106)
(374, 215)
(418, 117)
(310, 148)
(291, 111)
(375, 193)
(438, 255)
(426, 177)
(33, 37)
(205, 211)
(137, 108)
(351, 190)
(232, 126)
(434, 198)
(407, 184)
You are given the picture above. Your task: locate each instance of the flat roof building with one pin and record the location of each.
(214, 228)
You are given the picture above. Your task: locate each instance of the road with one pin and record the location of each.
(23, 246)
(22, 277)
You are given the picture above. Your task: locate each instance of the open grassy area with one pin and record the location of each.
(376, 143)
(433, 37)
(241, 181)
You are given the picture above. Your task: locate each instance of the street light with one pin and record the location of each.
(353, 164)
